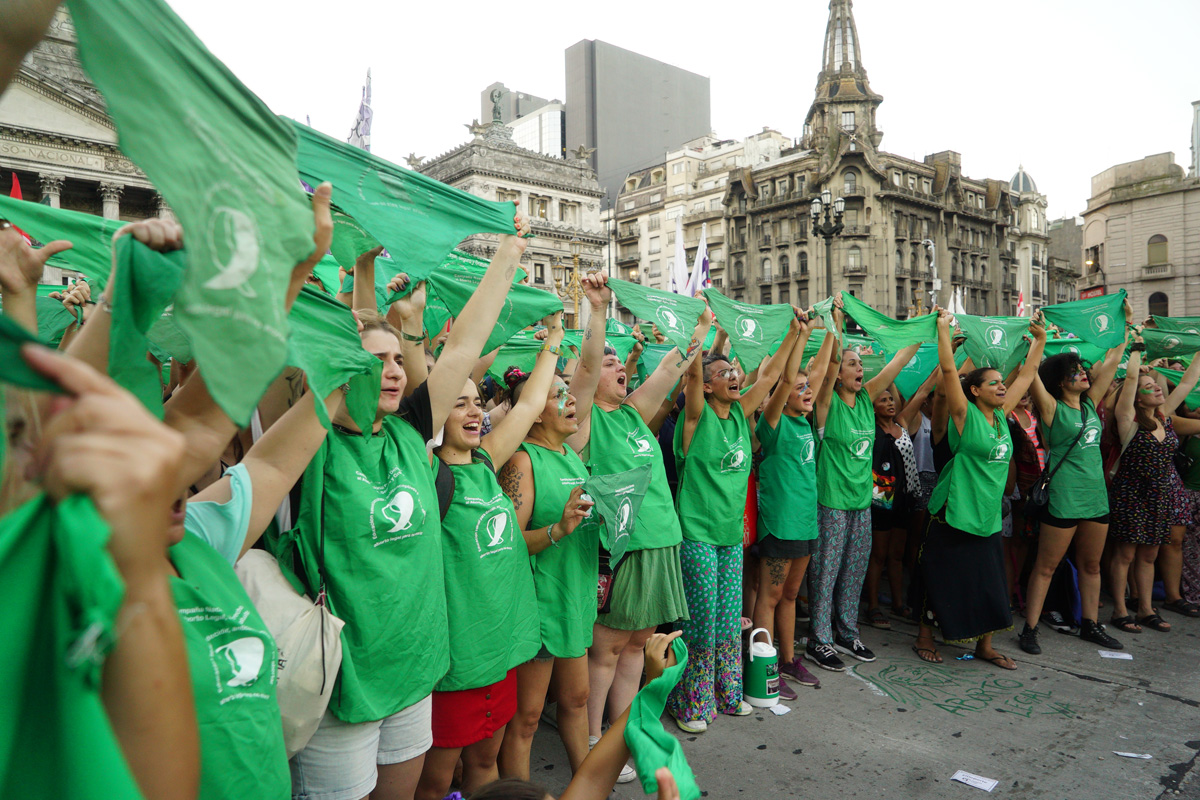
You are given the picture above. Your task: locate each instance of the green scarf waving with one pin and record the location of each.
(651, 745)
(996, 342)
(1175, 376)
(752, 329)
(1099, 320)
(674, 314)
(453, 285)
(1177, 324)
(893, 334)
(618, 497)
(89, 235)
(227, 165)
(1169, 344)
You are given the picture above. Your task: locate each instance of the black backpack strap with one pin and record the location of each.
(1067, 452)
(443, 480)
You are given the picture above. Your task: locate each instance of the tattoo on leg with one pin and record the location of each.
(777, 567)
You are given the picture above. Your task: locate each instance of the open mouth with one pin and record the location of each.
(177, 511)
(471, 427)
(621, 381)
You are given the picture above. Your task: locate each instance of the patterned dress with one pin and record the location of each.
(1144, 498)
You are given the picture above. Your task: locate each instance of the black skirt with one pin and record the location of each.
(961, 582)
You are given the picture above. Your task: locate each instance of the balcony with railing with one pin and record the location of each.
(628, 259)
(737, 244)
(854, 269)
(764, 279)
(628, 231)
(856, 230)
(704, 215)
(1153, 272)
(764, 241)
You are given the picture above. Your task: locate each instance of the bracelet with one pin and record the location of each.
(550, 534)
(551, 348)
(1137, 347)
(103, 305)
(408, 337)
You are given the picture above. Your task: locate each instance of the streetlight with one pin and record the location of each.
(570, 288)
(831, 227)
(937, 283)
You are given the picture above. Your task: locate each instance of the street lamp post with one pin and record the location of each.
(829, 228)
(570, 287)
(937, 284)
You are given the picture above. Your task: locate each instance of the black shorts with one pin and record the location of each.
(1056, 522)
(769, 546)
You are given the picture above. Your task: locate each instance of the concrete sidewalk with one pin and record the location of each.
(899, 728)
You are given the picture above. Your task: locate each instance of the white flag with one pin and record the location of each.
(360, 134)
(699, 279)
(679, 270)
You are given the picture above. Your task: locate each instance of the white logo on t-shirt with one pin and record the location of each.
(398, 511)
(243, 658)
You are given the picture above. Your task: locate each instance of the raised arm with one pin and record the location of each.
(791, 371)
(693, 401)
(407, 315)
(21, 268)
(635, 352)
(910, 417)
(587, 373)
(1025, 378)
(363, 293)
(1187, 382)
(473, 326)
(956, 401)
(887, 375)
(1107, 370)
(773, 368)
(649, 396)
(833, 365)
(506, 436)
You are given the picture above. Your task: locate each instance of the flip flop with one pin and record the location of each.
(1156, 622)
(1000, 660)
(1182, 606)
(747, 624)
(934, 656)
(1126, 624)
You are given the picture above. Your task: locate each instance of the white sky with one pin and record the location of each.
(1066, 87)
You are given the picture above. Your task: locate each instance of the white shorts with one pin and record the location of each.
(341, 760)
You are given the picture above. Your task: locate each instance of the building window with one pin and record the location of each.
(1156, 251)
(716, 164)
(926, 186)
(631, 184)
(505, 196)
(781, 187)
(854, 258)
(655, 244)
(653, 223)
(803, 297)
(765, 296)
(1159, 305)
(803, 262)
(714, 204)
(849, 181)
(539, 273)
(658, 176)
(848, 121)
(539, 207)
(673, 213)
(568, 213)
(738, 276)
(912, 182)
(899, 261)
(656, 269)
(656, 197)
(697, 207)
(678, 167)
(764, 190)
(979, 203)
(897, 179)
(766, 269)
(629, 205)
(785, 265)
(679, 189)
(785, 295)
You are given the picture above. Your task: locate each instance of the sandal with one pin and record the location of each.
(1000, 660)
(876, 618)
(747, 624)
(1156, 622)
(1127, 624)
(1182, 606)
(903, 612)
(933, 657)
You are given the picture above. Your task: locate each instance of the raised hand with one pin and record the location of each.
(21, 266)
(412, 305)
(659, 654)
(595, 287)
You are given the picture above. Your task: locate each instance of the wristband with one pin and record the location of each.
(408, 337)
(550, 534)
(551, 348)
(1137, 347)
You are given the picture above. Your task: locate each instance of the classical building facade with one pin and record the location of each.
(909, 226)
(561, 197)
(57, 139)
(1066, 259)
(1141, 233)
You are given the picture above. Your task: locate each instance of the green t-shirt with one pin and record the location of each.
(565, 576)
(844, 459)
(1077, 490)
(373, 499)
(713, 477)
(232, 658)
(971, 485)
(491, 606)
(620, 441)
(787, 479)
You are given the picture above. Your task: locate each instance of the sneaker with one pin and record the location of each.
(797, 671)
(1028, 640)
(786, 692)
(1093, 632)
(743, 709)
(592, 742)
(824, 657)
(1059, 623)
(628, 774)
(854, 649)
(691, 725)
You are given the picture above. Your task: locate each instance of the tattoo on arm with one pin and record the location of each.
(588, 333)
(509, 479)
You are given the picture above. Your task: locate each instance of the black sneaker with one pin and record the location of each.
(824, 657)
(1056, 621)
(854, 649)
(802, 614)
(1093, 632)
(1029, 640)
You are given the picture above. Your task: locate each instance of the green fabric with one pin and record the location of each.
(565, 576)
(971, 485)
(1077, 490)
(416, 218)
(520, 351)
(373, 498)
(1099, 320)
(146, 280)
(713, 477)
(623, 344)
(90, 236)
(787, 479)
(523, 306)
(620, 441)
(489, 588)
(674, 314)
(1192, 400)
(751, 328)
(844, 458)
(824, 310)
(53, 319)
(652, 356)
(228, 169)
(994, 341)
(63, 593)
(232, 658)
(893, 334)
(652, 747)
(327, 271)
(618, 499)
(1087, 352)
(1166, 344)
(1177, 324)
(326, 345)
(613, 325)
(168, 341)
(13, 369)
(350, 240)
(920, 367)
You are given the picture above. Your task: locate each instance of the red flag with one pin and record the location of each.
(15, 193)
(1020, 304)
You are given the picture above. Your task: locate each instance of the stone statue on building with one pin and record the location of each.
(497, 115)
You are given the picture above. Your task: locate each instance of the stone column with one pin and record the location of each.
(163, 210)
(110, 193)
(52, 186)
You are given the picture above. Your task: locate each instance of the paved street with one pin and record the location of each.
(898, 728)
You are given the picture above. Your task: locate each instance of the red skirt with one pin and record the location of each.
(472, 715)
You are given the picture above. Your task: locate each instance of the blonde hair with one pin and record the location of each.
(372, 320)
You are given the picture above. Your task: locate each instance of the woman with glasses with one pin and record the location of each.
(712, 453)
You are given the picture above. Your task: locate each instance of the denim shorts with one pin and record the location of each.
(340, 761)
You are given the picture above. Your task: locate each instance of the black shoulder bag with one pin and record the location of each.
(1039, 493)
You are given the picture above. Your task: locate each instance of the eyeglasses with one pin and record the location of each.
(727, 374)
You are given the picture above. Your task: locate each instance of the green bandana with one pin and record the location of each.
(168, 341)
(996, 342)
(618, 498)
(1168, 344)
(1175, 376)
(652, 356)
(752, 329)
(917, 370)
(622, 343)
(90, 236)
(64, 593)
(675, 315)
(893, 334)
(1178, 324)
(1087, 352)
(613, 325)
(1100, 320)
(228, 169)
(53, 319)
(652, 747)
(520, 351)
(403, 210)
(13, 369)
(824, 310)
(524, 305)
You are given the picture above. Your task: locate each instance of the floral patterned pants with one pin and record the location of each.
(1191, 551)
(836, 572)
(712, 680)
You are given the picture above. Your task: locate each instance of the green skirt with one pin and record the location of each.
(647, 591)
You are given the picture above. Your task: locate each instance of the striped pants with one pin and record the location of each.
(836, 572)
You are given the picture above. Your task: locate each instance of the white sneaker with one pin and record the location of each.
(628, 774)
(691, 725)
(592, 741)
(744, 709)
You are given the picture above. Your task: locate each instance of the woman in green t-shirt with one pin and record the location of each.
(962, 558)
(712, 455)
(787, 503)
(846, 425)
(1066, 399)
